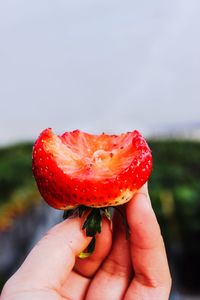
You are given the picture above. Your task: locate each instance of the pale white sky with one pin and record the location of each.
(104, 65)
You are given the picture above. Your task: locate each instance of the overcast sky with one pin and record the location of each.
(98, 65)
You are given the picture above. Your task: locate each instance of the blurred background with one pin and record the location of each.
(110, 66)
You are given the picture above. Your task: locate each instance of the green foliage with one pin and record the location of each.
(17, 187)
(175, 188)
(15, 169)
(92, 224)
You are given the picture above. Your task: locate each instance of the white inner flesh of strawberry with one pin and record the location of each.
(86, 156)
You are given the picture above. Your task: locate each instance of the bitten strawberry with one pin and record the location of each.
(78, 168)
(78, 171)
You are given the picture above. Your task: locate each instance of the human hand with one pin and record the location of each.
(130, 269)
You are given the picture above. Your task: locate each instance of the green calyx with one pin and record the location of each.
(93, 223)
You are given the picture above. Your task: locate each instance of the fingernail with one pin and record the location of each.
(144, 190)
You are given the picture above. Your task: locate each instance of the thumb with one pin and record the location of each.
(52, 259)
(147, 249)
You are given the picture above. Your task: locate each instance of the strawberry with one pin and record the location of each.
(78, 169)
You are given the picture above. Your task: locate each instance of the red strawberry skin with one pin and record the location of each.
(80, 186)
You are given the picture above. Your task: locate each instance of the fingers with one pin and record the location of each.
(88, 267)
(147, 247)
(77, 282)
(113, 278)
(75, 287)
(52, 259)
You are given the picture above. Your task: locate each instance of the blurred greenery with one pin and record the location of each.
(15, 170)
(175, 182)
(17, 187)
(174, 188)
(175, 193)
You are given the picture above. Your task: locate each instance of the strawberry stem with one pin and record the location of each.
(93, 223)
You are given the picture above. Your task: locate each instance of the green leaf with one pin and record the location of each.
(91, 245)
(89, 250)
(75, 212)
(107, 212)
(68, 213)
(84, 255)
(92, 223)
(81, 210)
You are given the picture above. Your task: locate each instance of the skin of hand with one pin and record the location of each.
(131, 269)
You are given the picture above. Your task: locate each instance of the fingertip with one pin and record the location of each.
(144, 188)
(138, 204)
(70, 231)
(142, 220)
